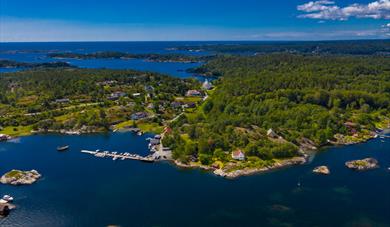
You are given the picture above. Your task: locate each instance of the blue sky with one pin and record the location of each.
(155, 20)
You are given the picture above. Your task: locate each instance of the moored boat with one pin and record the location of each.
(8, 198)
(63, 148)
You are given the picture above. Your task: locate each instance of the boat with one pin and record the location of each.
(147, 160)
(139, 133)
(8, 198)
(63, 148)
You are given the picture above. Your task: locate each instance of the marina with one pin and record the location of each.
(122, 156)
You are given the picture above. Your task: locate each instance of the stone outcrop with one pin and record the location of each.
(321, 170)
(18, 177)
(250, 171)
(363, 164)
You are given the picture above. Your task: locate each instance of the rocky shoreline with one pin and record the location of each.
(363, 164)
(324, 170)
(246, 171)
(283, 163)
(19, 177)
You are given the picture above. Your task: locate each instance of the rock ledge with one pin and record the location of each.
(363, 164)
(321, 170)
(19, 177)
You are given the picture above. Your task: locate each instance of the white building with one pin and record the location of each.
(207, 85)
(238, 155)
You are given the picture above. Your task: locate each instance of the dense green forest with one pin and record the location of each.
(304, 99)
(349, 47)
(67, 98)
(121, 55)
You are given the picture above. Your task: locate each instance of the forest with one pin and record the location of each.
(315, 100)
(15, 64)
(347, 47)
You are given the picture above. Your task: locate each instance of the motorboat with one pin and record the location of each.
(63, 148)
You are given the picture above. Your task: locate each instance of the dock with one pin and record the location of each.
(122, 156)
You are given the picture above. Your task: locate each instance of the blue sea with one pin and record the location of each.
(81, 190)
(37, 52)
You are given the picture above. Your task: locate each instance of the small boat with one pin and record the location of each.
(63, 148)
(8, 198)
(139, 133)
(299, 184)
(147, 160)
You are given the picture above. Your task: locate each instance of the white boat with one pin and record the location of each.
(8, 198)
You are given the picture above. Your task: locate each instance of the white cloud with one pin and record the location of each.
(328, 10)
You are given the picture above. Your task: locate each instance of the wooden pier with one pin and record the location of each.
(121, 156)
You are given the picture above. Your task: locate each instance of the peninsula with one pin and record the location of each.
(270, 111)
(261, 113)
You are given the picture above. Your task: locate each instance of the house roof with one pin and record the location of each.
(237, 153)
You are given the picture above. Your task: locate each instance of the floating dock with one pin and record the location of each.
(121, 156)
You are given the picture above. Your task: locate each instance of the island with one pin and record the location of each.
(122, 55)
(16, 64)
(363, 164)
(325, 48)
(19, 177)
(324, 170)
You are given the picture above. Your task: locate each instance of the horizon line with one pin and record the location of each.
(119, 41)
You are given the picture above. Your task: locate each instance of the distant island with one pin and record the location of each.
(121, 55)
(347, 47)
(15, 64)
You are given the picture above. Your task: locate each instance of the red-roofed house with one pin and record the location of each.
(238, 155)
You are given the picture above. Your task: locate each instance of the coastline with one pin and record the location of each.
(233, 174)
(278, 164)
(246, 171)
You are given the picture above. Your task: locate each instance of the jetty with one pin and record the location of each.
(122, 156)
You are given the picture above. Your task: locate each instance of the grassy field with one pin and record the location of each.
(17, 131)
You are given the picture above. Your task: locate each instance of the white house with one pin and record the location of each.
(193, 93)
(238, 155)
(271, 133)
(207, 85)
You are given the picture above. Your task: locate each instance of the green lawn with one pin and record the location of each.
(17, 131)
